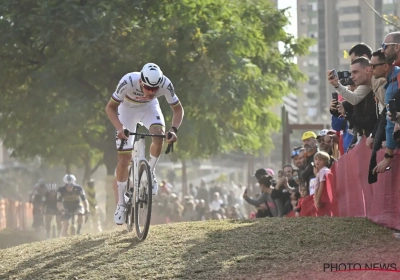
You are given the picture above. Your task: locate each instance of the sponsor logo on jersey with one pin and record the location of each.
(124, 83)
(171, 89)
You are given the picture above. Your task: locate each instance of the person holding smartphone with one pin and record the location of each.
(264, 203)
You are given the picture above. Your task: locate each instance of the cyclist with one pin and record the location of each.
(50, 208)
(36, 198)
(68, 203)
(138, 93)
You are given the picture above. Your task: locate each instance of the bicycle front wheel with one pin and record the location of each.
(143, 200)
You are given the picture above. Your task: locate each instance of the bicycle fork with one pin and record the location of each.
(138, 154)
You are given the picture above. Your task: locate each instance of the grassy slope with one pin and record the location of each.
(266, 249)
(10, 237)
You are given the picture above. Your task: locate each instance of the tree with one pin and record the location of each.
(389, 19)
(63, 60)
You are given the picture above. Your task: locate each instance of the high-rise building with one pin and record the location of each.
(290, 101)
(336, 26)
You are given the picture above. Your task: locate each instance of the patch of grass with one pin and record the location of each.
(275, 248)
(11, 237)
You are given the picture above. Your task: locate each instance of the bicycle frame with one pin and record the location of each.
(139, 153)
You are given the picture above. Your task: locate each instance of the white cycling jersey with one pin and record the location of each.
(136, 107)
(131, 95)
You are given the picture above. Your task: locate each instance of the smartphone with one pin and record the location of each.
(392, 109)
(396, 135)
(335, 96)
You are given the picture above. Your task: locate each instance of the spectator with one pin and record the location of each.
(203, 192)
(364, 117)
(391, 50)
(328, 142)
(380, 69)
(216, 207)
(295, 156)
(176, 209)
(360, 50)
(295, 176)
(189, 211)
(294, 197)
(303, 194)
(201, 210)
(340, 124)
(262, 203)
(288, 171)
(321, 163)
(310, 145)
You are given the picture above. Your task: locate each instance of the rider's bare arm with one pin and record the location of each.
(112, 113)
(86, 205)
(116, 99)
(177, 116)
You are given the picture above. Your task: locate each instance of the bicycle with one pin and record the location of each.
(140, 183)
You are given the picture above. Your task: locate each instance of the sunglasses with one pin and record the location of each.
(153, 89)
(378, 64)
(385, 45)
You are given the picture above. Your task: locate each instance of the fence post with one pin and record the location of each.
(3, 217)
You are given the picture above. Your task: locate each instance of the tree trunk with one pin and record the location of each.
(110, 158)
(68, 167)
(184, 178)
(86, 169)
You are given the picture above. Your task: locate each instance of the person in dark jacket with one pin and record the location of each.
(264, 204)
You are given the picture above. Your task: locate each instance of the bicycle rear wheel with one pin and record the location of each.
(129, 217)
(143, 200)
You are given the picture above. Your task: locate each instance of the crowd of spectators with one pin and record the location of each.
(365, 104)
(207, 201)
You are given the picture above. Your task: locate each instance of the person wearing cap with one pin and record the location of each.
(299, 157)
(265, 205)
(262, 171)
(309, 139)
(265, 171)
(328, 142)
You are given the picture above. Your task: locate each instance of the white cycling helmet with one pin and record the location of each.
(151, 75)
(69, 179)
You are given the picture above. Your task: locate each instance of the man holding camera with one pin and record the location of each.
(364, 116)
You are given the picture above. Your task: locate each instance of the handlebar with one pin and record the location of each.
(170, 147)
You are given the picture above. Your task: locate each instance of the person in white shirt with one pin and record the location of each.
(216, 206)
(321, 163)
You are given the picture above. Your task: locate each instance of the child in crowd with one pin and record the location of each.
(294, 197)
(321, 163)
(303, 194)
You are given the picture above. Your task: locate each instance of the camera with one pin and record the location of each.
(343, 75)
(344, 78)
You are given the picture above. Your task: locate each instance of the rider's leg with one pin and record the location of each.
(48, 224)
(154, 121)
(65, 226)
(156, 145)
(79, 222)
(124, 158)
(59, 225)
(127, 117)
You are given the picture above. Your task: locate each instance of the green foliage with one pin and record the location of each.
(62, 60)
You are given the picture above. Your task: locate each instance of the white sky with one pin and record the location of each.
(293, 14)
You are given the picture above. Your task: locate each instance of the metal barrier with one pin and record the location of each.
(15, 214)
